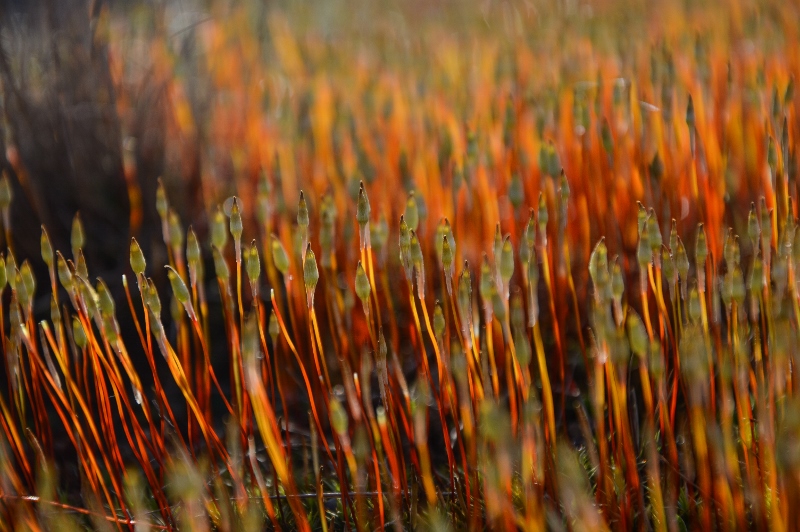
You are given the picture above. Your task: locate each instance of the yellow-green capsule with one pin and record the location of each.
(542, 216)
(701, 247)
(152, 299)
(80, 266)
(274, 327)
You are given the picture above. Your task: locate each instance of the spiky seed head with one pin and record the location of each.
(637, 335)
(236, 225)
(279, 256)
(219, 233)
(47, 249)
(162, 206)
(507, 260)
(302, 211)
(362, 206)
(77, 238)
(363, 288)
(412, 212)
(5, 191)
(220, 265)
(138, 263)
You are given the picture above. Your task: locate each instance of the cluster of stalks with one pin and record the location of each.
(435, 306)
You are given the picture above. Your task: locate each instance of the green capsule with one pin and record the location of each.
(80, 266)
(438, 321)
(252, 264)
(274, 327)
(641, 218)
(753, 230)
(279, 256)
(363, 288)
(106, 302)
(756, 283)
(310, 270)
(637, 335)
(338, 417)
(701, 247)
(47, 249)
(77, 237)
(219, 233)
(193, 254)
(138, 263)
(416, 251)
(220, 265)
(644, 253)
(64, 272)
(236, 225)
(617, 281)
(362, 207)
(152, 299)
(598, 261)
(447, 255)
(507, 261)
(542, 216)
(412, 212)
(653, 232)
(162, 206)
(302, 211)
(175, 230)
(79, 334)
(682, 262)
(5, 191)
(486, 286)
